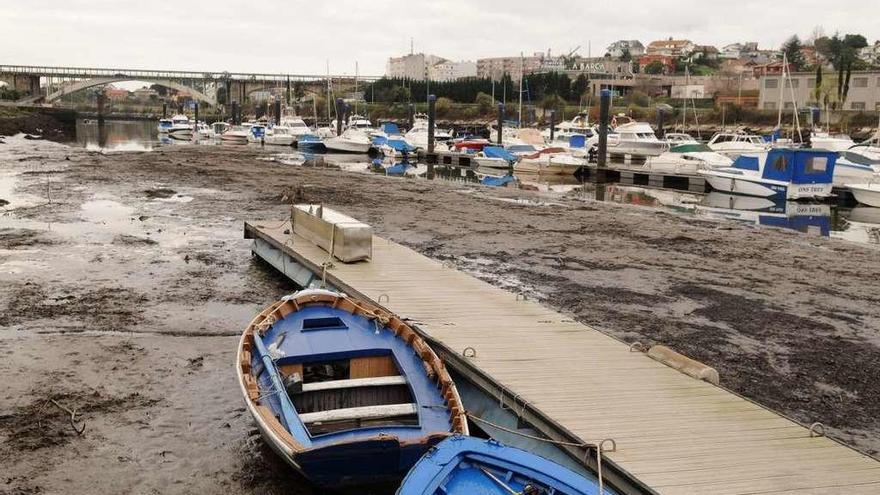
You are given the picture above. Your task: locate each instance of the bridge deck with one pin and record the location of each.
(675, 434)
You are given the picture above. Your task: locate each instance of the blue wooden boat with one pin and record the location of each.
(471, 466)
(345, 392)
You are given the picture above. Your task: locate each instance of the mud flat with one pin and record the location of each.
(126, 281)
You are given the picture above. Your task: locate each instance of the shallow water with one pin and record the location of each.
(860, 224)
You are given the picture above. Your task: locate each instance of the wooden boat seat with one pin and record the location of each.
(360, 413)
(381, 381)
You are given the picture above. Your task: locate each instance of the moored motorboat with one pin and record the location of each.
(164, 126)
(310, 143)
(237, 134)
(256, 133)
(734, 144)
(635, 139)
(823, 140)
(181, 128)
(679, 138)
(856, 166)
(780, 172)
(351, 141)
(344, 392)
(494, 157)
(553, 161)
(203, 132)
(471, 466)
(279, 135)
(687, 159)
(866, 194)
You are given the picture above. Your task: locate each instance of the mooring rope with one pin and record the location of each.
(585, 445)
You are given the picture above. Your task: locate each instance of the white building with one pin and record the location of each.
(864, 91)
(418, 66)
(635, 47)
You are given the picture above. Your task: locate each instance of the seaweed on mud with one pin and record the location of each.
(25, 238)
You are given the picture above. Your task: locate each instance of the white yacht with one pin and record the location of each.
(352, 140)
(680, 138)
(256, 133)
(687, 159)
(779, 172)
(551, 161)
(856, 165)
(203, 131)
(635, 139)
(237, 134)
(279, 135)
(296, 126)
(418, 135)
(563, 132)
(734, 144)
(181, 128)
(822, 140)
(164, 126)
(866, 194)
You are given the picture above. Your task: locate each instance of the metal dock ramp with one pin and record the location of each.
(674, 434)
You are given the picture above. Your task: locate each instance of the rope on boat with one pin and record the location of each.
(599, 448)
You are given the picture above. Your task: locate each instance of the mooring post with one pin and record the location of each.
(412, 116)
(164, 109)
(432, 101)
(278, 111)
(340, 114)
(500, 123)
(100, 101)
(234, 113)
(604, 120)
(552, 125)
(196, 111)
(660, 115)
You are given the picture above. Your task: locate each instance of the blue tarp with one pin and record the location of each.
(401, 145)
(577, 141)
(391, 129)
(398, 169)
(497, 181)
(800, 166)
(498, 152)
(379, 140)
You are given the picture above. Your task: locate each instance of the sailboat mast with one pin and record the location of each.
(781, 92)
(356, 86)
(522, 64)
(329, 96)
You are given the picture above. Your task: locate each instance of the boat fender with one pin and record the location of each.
(684, 364)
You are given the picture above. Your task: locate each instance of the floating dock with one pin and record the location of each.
(672, 434)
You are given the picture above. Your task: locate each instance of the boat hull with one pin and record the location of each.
(343, 146)
(279, 140)
(764, 189)
(544, 167)
(866, 195)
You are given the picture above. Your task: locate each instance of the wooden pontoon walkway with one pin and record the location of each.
(675, 434)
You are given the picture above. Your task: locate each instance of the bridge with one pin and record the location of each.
(48, 84)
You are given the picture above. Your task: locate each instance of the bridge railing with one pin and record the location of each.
(83, 72)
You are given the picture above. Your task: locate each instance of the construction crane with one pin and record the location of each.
(568, 61)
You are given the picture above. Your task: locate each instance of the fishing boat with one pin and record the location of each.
(279, 135)
(164, 126)
(181, 128)
(495, 157)
(351, 141)
(866, 194)
(471, 466)
(550, 161)
(345, 392)
(780, 172)
(734, 144)
(237, 134)
(687, 159)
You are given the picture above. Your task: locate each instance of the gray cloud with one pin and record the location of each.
(300, 36)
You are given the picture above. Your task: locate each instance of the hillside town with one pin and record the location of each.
(743, 73)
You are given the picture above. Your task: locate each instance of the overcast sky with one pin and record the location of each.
(295, 36)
